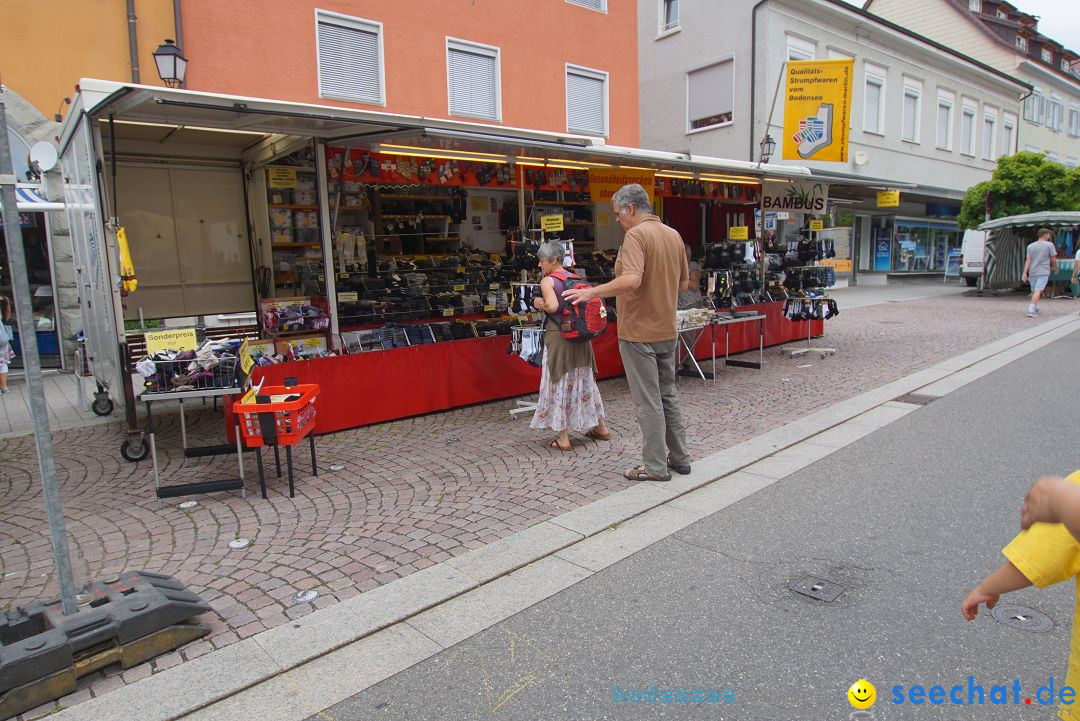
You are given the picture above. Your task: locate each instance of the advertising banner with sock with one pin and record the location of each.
(817, 109)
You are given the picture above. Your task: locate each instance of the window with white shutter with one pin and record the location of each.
(586, 101)
(472, 76)
(710, 95)
(600, 5)
(350, 58)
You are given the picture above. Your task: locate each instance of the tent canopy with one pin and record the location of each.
(1007, 240)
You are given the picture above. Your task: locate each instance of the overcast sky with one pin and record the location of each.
(1058, 19)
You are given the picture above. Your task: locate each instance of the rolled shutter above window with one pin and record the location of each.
(586, 102)
(350, 60)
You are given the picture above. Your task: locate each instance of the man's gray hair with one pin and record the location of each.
(632, 194)
(551, 250)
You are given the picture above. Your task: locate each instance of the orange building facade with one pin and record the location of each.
(272, 49)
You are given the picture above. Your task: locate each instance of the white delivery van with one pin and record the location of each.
(972, 256)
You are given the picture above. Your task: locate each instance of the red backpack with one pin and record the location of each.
(582, 322)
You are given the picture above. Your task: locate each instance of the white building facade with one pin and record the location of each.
(1000, 35)
(923, 117)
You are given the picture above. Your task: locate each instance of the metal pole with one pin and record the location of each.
(20, 288)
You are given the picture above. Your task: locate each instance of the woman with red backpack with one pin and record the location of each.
(569, 397)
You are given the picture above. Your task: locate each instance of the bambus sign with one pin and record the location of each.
(795, 197)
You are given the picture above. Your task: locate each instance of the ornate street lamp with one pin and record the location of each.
(171, 64)
(768, 146)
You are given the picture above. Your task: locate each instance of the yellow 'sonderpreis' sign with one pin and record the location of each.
(174, 339)
(604, 182)
(739, 232)
(817, 109)
(551, 223)
(888, 199)
(817, 225)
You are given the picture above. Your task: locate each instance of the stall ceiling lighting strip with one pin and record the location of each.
(674, 174)
(441, 151)
(440, 156)
(173, 126)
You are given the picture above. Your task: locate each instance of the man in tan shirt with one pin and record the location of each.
(649, 273)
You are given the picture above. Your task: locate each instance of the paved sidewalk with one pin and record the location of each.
(417, 492)
(61, 398)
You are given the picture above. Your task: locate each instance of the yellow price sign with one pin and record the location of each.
(459, 287)
(489, 309)
(739, 232)
(493, 286)
(817, 225)
(246, 363)
(348, 297)
(447, 312)
(551, 223)
(460, 269)
(281, 177)
(888, 199)
(175, 339)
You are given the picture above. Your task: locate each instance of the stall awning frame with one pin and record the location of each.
(336, 125)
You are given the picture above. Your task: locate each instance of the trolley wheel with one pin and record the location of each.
(102, 406)
(135, 451)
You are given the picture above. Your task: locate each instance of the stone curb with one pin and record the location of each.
(288, 673)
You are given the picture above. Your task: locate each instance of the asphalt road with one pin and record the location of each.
(906, 519)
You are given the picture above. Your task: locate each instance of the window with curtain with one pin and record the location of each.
(967, 128)
(874, 99)
(946, 101)
(669, 15)
(912, 110)
(586, 101)
(350, 58)
(989, 134)
(710, 95)
(473, 80)
(1008, 134)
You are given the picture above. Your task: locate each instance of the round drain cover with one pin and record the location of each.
(337, 468)
(239, 543)
(188, 504)
(34, 644)
(305, 596)
(1023, 618)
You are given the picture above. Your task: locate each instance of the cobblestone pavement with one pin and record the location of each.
(416, 492)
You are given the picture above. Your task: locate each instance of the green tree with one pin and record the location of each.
(1022, 183)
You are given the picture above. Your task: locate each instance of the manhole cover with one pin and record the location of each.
(337, 467)
(188, 504)
(915, 398)
(1023, 618)
(239, 543)
(305, 596)
(818, 588)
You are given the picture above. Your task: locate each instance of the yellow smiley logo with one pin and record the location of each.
(862, 694)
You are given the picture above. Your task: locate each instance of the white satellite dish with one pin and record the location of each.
(43, 155)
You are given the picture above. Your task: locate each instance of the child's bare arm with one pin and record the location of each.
(1006, 578)
(1052, 500)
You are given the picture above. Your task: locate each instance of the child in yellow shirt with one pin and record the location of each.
(1043, 554)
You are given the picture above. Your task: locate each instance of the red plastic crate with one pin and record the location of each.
(294, 420)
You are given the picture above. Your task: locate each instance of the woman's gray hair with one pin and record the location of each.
(632, 194)
(551, 250)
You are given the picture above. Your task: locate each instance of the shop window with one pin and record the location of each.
(967, 128)
(874, 100)
(586, 101)
(912, 110)
(669, 15)
(710, 95)
(473, 80)
(945, 120)
(1008, 134)
(922, 246)
(881, 236)
(799, 49)
(599, 5)
(350, 58)
(989, 133)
